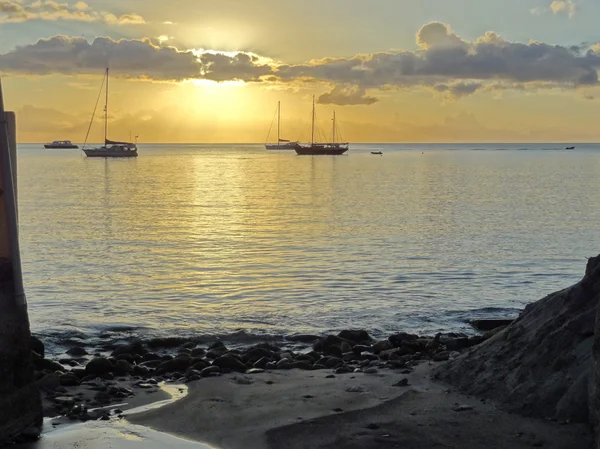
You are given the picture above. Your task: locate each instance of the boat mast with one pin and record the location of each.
(106, 110)
(278, 122)
(312, 139)
(333, 127)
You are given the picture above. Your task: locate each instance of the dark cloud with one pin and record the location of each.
(347, 96)
(75, 55)
(227, 67)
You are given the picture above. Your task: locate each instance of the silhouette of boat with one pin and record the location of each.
(282, 144)
(60, 144)
(110, 148)
(322, 149)
(570, 148)
(376, 152)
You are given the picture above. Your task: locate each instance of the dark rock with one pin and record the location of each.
(350, 357)
(358, 349)
(356, 336)
(48, 382)
(335, 351)
(99, 365)
(211, 370)
(330, 376)
(151, 356)
(38, 346)
(140, 370)
(283, 364)
(488, 325)
(271, 365)
(68, 380)
(198, 352)
(318, 366)
(177, 364)
(167, 343)
(382, 345)
(190, 345)
(333, 362)
(346, 347)
(261, 363)
(45, 364)
(151, 363)
(255, 371)
(122, 368)
(441, 356)
(253, 355)
(77, 351)
(327, 342)
(302, 364)
(199, 364)
(64, 401)
(493, 332)
(372, 426)
(398, 339)
(368, 356)
(218, 345)
(133, 348)
(216, 353)
(302, 338)
(79, 372)
(462, 408)
(401, 383)
(230, 362)
(343, 370)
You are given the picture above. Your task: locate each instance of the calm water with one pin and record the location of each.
(202, 239)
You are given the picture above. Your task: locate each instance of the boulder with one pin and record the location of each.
(171, 366)
(230, 362)
(68, 380)
(168, 342)
(302, 338)
(537, 365)
(355, 336)
(402, 337)
(77, 351)
(38, 346)
(99, 365)
(490, 324)
(133, 348)
(47, 365)
(122, 368)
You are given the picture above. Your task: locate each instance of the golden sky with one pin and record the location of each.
(393, 70)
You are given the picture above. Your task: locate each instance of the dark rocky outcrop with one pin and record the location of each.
(540, 364)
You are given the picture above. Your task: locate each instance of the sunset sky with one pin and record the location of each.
(393, 70)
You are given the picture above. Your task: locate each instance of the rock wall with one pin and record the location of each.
(540, 365)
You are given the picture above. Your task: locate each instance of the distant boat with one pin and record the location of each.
(570, 148)
(60, 144)
(110, 148)
(322, 149)
(282, 144)
(376, 152)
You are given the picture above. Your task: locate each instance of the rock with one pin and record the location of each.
(271, 365)
(262, 363)
(535, 366)
(330, 376)
(493, 332)
(359, 349)
(355, 389)
(342, 370)
(217, 345)
(133, 348)
(151, 363)
(45, 364)
(77, 351)
(490, 324)
(441, 356)
(79, 372)
(333, 362)
(230, 362)
(68, 380)
(99, 365)
(462, 408)
(198, 352)
(345, 347)
(151, 356)
(335, 351)
(283, 364)
(122, 368)
(140, 370)
(199, 364)
(64, 401)
(171, 366)
(318, 366)
(372, 426)
(255, 371)
(286, 355)
(401, 383)
(368, 356)
(382, 345)
(402, 337)
(38, 346)
(302, 364)
(356, 336)
(30, 434)
(168, 342)
(48, 382)
(370, 370)
(327, 342)
(190, 345)
(242, 380)
(302, 338)
(211, 370)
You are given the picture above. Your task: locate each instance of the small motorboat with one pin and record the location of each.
(377, 152)
(60, 144)
(570, 148)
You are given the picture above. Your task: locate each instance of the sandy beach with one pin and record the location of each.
(302, 409)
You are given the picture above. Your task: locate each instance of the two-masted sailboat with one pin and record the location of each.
(110, 148)
(325, 149)
(282, 144)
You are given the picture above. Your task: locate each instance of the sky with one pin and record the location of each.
(392, 70)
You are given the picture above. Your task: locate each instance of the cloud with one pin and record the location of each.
(443, 62)
(20, 11)
(127, 58)
(567, 7)
(347, 96)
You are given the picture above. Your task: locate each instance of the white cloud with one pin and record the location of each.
(24, 11)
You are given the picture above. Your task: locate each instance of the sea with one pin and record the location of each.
(243, 244)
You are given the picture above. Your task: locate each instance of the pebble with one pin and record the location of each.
(242, 380)
(370, 370)
(355, 389)
(255, 371)
(401, 383)
(462, 408)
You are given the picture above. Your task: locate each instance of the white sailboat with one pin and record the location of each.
(282, 144)
(110, 148)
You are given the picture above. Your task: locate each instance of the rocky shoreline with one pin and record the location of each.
(97, 383)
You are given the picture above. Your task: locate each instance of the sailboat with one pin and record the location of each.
(282, 144)
(111, 148)
(325, 149)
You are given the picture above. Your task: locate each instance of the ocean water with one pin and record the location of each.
(225, 239)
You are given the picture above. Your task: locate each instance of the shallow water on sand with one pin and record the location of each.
(209, 239)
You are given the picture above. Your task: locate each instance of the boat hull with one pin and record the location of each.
(110, 153)
(280, 147)
(61, 147)
(320, 151)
